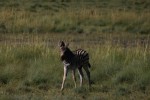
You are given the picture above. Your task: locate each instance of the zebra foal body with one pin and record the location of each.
(74, 60)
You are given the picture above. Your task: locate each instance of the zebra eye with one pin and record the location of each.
(62, 49)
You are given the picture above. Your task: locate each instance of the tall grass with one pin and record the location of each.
(30, 67)
(37, 69)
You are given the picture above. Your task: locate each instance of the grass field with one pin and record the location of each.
(114, 32)
(30, 68)
(105, 16)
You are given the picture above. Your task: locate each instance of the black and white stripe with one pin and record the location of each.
(77, 59)
(82, 57)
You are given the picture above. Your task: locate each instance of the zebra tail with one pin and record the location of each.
(89, 65)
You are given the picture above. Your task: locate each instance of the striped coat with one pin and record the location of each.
(77, 59)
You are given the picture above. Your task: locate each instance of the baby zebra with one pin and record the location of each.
(74, 60)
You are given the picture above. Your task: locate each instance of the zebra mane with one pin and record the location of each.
(67, 55)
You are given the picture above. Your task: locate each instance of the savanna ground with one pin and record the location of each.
(114, 32)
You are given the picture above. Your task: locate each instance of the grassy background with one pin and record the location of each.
(31, 69)
(114, 32)
(102, 16)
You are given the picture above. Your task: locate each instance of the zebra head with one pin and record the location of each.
(63, 46)
(66, 53)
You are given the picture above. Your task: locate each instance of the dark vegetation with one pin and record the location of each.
(69, 16)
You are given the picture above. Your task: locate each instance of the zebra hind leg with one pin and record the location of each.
(88, 74)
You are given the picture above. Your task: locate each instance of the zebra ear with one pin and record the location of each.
(67, 44)
(61, 44)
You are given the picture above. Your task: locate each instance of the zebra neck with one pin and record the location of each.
(69, 53)
(67, 56)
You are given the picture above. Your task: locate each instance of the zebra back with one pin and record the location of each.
(82, 56)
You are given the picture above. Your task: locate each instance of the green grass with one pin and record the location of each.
(35, 71)
(114, 32)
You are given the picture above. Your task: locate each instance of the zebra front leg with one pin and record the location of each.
(64, 77)
(81, 76)
(74, 77)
